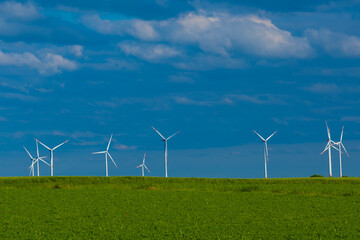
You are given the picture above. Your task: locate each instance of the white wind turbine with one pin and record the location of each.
(328, 147)
(106, 152)
(165, 147)
(52, 154)
(143, 165)
(340, 146)
(35, 160)
(266, 153)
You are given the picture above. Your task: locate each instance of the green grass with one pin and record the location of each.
(179, 208)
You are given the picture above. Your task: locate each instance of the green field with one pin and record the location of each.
(179, 208)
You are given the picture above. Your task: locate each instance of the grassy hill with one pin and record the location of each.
(179, 208)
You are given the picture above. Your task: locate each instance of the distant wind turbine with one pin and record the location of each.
(266, 153)
(341, 146)
(328, 147)
(165, 147)
(52, 154)
(35, 160)
(143, 165)
(106, 152)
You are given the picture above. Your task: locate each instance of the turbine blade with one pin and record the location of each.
(144, 158)
(270, 136)
(112, 159)
(342, 145)
(60, 145)
(44, 161)
(32, 164)
(259, 136)
(107, 149)
(146, 168)
(326, 148)
(172, 135)
(267, 152)
(37, 148)
(28, 152)
(159, 133)
(328, 130)
(139, 166)
(98, 152)
(342, 132)
(43, 144)
(338, 149)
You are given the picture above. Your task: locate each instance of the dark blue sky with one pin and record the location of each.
(215, 70)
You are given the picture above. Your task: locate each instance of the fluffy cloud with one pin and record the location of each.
(16, 18)
(227, 34)
(216, 33)
(77, 50)
(150, 52)
(18, 11)
(47, 64)
(134, 27)
(335, 44)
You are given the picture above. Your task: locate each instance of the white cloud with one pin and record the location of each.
(216, 33)
(54, 63)
(259, 98)
(149, 52)
(335, 44)
(135, 27)
(206, 62)
(46, 65)
(19, 96)
(207, 102)
(355, 119)
(113, 64)
(18, 11)
(323, 88)
(77, 50)
(124, 147)
(225, 34)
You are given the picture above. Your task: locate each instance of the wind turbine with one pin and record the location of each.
(52, 154)
(266, 153)
(143, 165)
(328, 147)
(35, 160)
(340, 146)
(165, 147)
(106, 155)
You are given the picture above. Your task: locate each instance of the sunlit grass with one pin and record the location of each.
(179, 208)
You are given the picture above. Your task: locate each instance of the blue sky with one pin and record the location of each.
(215, 70)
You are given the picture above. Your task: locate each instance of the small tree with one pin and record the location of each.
(316, 175)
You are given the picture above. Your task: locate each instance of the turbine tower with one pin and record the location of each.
(35, 160)
(52, 154)
(165, 147)
(143, 165)
(266, 153)
(106, 152)
(328, 147)
(341, 146)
